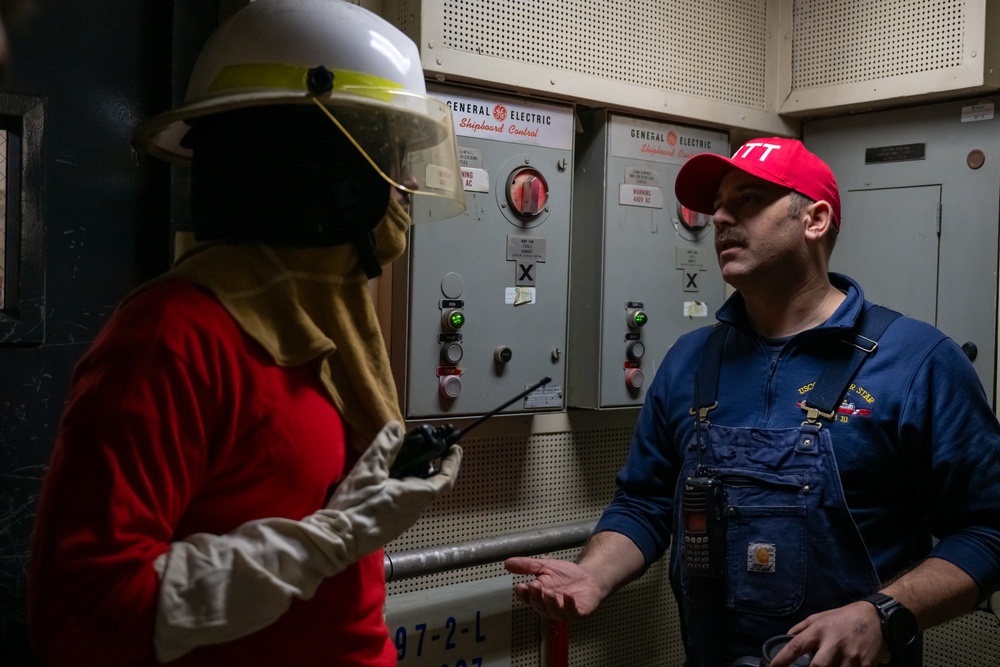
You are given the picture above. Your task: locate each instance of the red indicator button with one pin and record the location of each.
(634, 378)
(450, 385)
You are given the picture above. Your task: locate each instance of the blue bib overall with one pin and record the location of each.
(791, 546)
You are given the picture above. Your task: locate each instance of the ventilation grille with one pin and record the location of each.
(844, 41)
(677, 47)
(971, 641)
(517, 483)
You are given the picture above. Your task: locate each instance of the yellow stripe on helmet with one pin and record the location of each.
(254, 76)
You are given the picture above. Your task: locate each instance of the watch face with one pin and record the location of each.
(900, 625)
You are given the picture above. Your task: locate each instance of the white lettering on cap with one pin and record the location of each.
(757, 144)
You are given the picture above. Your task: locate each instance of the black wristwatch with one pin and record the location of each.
(899, 625)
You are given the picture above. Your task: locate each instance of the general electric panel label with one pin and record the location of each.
(509, 119)
(475, 180)
(474, 177)
(640, 195)
(470, 157)
(638, 176)
(639, 139)
(691, 258)
(526, 247)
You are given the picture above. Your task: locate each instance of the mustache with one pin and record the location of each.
(729, 238)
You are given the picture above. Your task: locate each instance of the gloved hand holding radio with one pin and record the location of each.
(216, 588)
(378, 507)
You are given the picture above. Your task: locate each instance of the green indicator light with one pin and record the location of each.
(457, 319)
(640, 319)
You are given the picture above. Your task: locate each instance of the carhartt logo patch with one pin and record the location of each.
(760, 557)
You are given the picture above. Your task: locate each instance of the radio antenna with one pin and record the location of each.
(454, 437)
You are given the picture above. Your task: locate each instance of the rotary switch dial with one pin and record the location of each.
(527, 192)
(692, 220)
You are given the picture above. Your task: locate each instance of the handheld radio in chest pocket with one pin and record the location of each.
(704, 553)
(703, 502)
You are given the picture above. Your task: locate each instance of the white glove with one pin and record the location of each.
(216, 588)
(378, 507)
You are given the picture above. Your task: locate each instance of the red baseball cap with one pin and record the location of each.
(781, 161)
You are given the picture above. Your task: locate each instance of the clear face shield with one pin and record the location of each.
(408, 138)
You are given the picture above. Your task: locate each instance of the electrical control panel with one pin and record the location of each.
(486, 292)
(644, 269)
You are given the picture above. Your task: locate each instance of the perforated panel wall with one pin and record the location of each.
(681, 47)
(843, 41)
(971, 641)
(518, 482)
(847, 55)
(521, 481)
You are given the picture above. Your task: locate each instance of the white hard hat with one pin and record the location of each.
(360, 69)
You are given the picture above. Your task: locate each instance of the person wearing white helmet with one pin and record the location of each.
(220, 489)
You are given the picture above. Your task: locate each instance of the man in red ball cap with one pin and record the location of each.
(781, 267)
(798, 457)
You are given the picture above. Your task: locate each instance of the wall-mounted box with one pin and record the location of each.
(644, 269)
(486, 292)
(853, 56)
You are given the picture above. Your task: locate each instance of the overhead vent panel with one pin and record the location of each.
(840, 42)
(713, 62)
(860, 55)
(680, 47)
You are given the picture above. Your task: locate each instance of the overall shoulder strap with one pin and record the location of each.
(836, 376)
(706, 378)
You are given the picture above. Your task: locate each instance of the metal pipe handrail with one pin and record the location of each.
(420, 562)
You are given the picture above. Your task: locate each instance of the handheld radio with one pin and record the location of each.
(704, 553)
(702, 510)
(425, 444)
